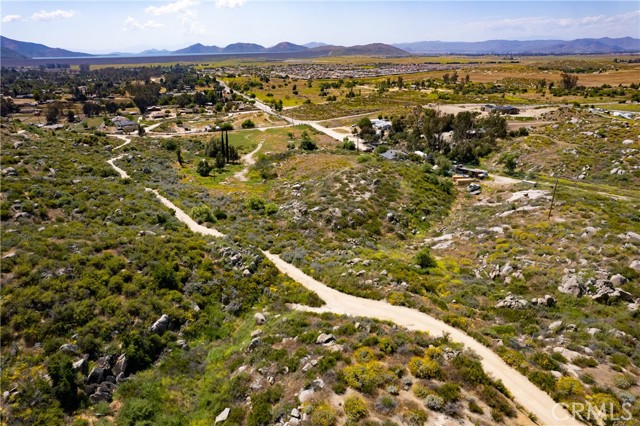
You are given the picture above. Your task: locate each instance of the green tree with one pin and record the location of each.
(307, 143)
(63, 379)
(53, 112)
(424, 259)
(568, 81)
(510, 162)
(203, 168)
(220, 162)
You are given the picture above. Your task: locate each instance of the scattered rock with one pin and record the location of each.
(256, 333)
(255, 342)
(160, 325)
(635, 265)
(81, 365)
(593, 331)
(10, 171)
(506, 270)
(512, 302)
(568, 354)
(305, 395)
(547, 300)
(95, 376)
(295, 413)
(571, 285)
(555, 326)
(120, 365)
(69, 348)
(224, 415)
(260, 318)
(633, 235)
(323, 339)
(618, 280)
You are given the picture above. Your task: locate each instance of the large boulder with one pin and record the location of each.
(120, 365)
(255, 342)
(224, 415)
(81, 365)
(69, 348)
(260, 318)
(618, 280)
(95, 376)
(571, 285)
(323, 339)
(161, 325)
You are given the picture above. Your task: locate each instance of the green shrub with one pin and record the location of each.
(386, 404)
(474, 407)
(434, 402)
(323, 415)
(568, 388)
(424, 368)
(450, 392)
(202, 214)
(424, 259)
(355, 409)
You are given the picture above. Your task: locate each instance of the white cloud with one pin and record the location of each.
(171, 8)
(587, 26)
(185, 11)
(131, 24)
(230, 3)
(43, 15)
(11, 18)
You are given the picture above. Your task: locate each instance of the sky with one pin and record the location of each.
(99, 26)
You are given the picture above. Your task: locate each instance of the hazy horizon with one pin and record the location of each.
(101, 27)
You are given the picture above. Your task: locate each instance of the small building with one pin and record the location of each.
(393, 154)
(156, 115)
(380, 125)
(502, 109)
(126, 126)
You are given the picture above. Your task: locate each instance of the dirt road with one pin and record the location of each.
(248, 161)
(525, 393)
(534, 400)
(184, 218)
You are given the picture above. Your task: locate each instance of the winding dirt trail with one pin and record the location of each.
(185, 218)
(121, 172)
(248, 161)
(525, 393)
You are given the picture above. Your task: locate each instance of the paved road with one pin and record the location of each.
(316, 125)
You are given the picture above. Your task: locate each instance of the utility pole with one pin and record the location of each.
(553, 197)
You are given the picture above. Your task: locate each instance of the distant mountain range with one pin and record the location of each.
(22, 49)
(17, 50)
(533, 47)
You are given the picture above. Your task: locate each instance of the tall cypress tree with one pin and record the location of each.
(228, 157)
